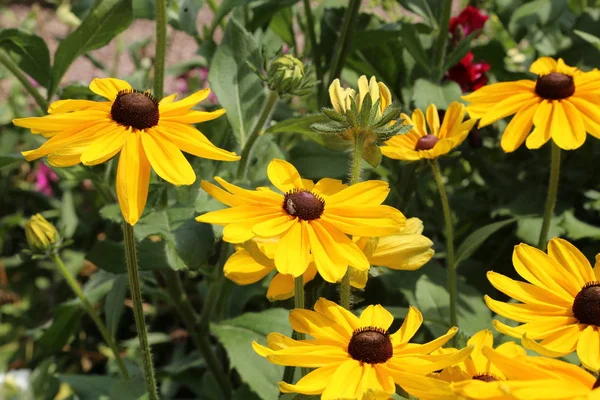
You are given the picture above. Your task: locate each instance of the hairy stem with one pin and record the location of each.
(161, 48)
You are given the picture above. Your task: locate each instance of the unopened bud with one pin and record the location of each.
(286, 75)
(41, 235)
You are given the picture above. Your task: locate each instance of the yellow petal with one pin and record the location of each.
(433, 119)
(293, 251)
(344, 383)
(543, 66)
(63, 122)
(386, 96)
(526, 292)
(588, 348)
(568, 130)
(411, 324)
(275, 226)
(105, 145)
(319, 326)
(108, 88)
(335, 96)
(571, 259)
(542, 122)
(519, 127)
(284, 176)
(133, 179)
(418, 122)
(403, 252)
(506, 107)
(363, 193)
(363, 89)
(313, 383)
(327, 187)
(588, 112)
(281, 287)
(243, 269)
(376, 316)
(65, 106)
(192, 141)
(541, 328)
(344, 318)
(166, 159)
(526, 312)
(182, 106)
(193, 117)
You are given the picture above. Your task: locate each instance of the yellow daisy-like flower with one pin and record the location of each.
(561, 104)
(533, 378)
(420, 143)
(356, 357)
(341, 99)
(560, 304)
(476, 366)
(310, 221)
(146, 132)
(252, 261)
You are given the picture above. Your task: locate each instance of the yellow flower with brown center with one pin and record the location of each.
(560, 304)
(146, 132)
(560, 104)
(310, 221)
(357, 357)
(476, 366)
(533, 378)
(341, 99)
(252, 261)
(420, 143)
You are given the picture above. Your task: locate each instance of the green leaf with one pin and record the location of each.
(185, 15)
(115, 303)
(68, 215)
(426, 92)
(90, 387)
(461, 50)
(103, 23)
(426, 9)
(591, 39)
(224, 8)
(577, 229)
(10, 160)
(64, 324)
(263, 13)
(110, 256)
(412, 43)
(31, 51)
(237, 335)
(372, 154)
(134, 389)
(237, 87)
(302, 125)
(477, 238)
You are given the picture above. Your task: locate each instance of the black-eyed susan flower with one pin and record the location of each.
(560, 104)
(41, 235)
(532, 378)
(421, 143)
(476, 366)
(147, 133)
(253, 260)
(560, 304)
(310, 221)
(357, 357)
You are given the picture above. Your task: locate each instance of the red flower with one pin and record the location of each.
(469, 20)
(470, 76)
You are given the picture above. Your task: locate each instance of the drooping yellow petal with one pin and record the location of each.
(243, 269)
(568, 130)
(293, 251)
(588, 348)
(133, 179)
(542, 122)
(402, 252)
(344, 383)
(105, 145)
(166, 159)
(109, 87)
(526, 312)
(313, 383)
(519, 127)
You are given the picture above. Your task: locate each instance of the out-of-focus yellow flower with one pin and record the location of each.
(439, 140)
(559, 303)
(41, 235)
(356, 357)
(561, 104)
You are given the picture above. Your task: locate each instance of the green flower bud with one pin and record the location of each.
(286, 75)
(41, 235)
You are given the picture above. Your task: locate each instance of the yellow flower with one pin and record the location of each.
(533, 378)
(40, 233)
(419, 143)
(341, 99)
(476, 367)
(356, 357)
(252, 261)
(561, 104)
(146, 132)
(560, 304)
(310, 221)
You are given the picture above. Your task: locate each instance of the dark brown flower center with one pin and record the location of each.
(371, 345)
(427, 142)
(555, 86)
(485, 378)
(136, 109)
(303, 204)
(586, 306)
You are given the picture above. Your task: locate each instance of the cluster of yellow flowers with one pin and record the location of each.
(303, 228)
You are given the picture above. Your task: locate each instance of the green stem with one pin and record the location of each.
(161, 48)
(551, 196)
(452, 288)
(442, 39)
(299, 298)
(355, 174)
(314, 46)
(138, 312)
(264, 116)
(199, 333)
(213, 5)
(20, 75)
(92, 313)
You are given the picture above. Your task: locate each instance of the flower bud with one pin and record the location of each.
(41, 235)
(286, 75)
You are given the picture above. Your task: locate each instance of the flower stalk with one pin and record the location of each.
(355, 174)
(442, 40)
(161, 47)
(87, 306)
(138, 312)
(264, 116)
(452, 284)
(21, 77)
(551, 196)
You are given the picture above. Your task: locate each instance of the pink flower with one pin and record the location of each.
(44, 178)
(470, 76)
(469, 20)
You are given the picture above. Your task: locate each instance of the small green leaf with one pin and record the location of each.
(64, 324)
(426, 92)
(103, 23)
(10, 160)
(224, 8)
(413, 45)
(90, 387)
(591, 39)
(110, 256)
(31, 51)
(476, 239)
(461, 50)
(185, 15)
(372, 155)
(332, 114)
(237, 335)
(115, 303)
